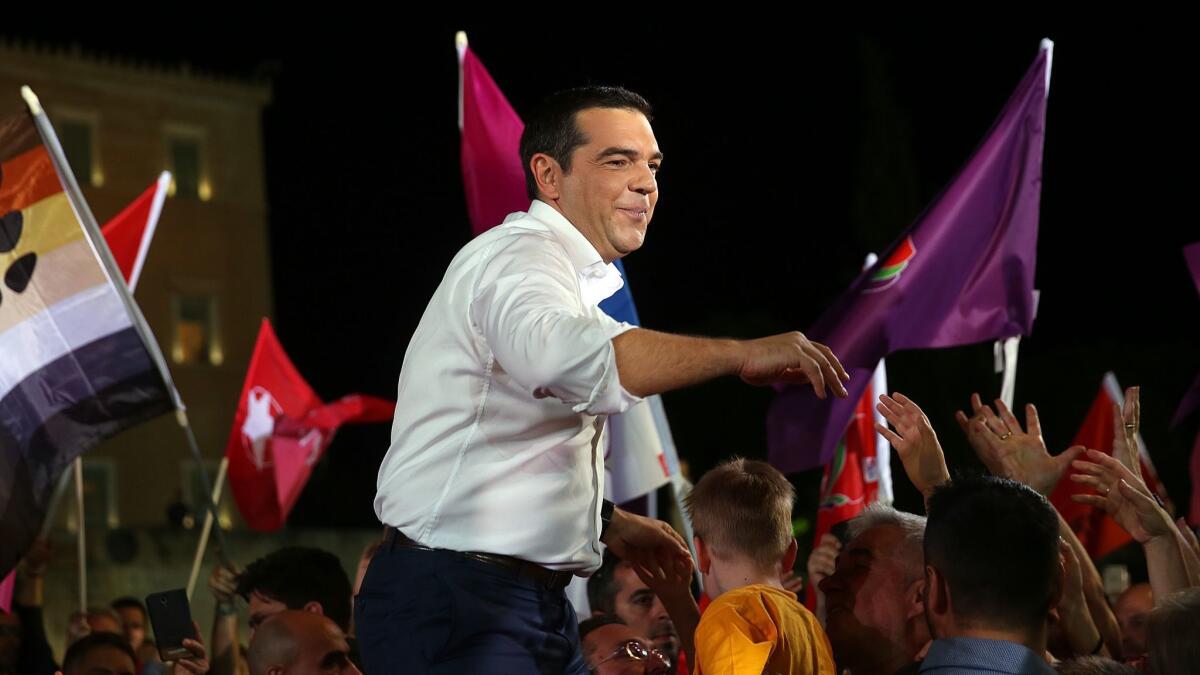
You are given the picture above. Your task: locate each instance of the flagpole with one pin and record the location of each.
(883, 449)
(1007, 349)
(460, 46)
(1006, 361)
(659, 413)
(60, 491)
(156, 205)
(208, 523)
(96, 240)
(81, 539)
(221, 549)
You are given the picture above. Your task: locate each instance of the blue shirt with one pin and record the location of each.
(964, 655)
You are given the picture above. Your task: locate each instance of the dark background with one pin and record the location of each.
(788, 158)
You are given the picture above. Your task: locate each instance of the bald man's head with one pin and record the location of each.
(1132, 610)
(296, 642)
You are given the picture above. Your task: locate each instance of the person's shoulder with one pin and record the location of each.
(748, 603)
(757, 595)
(735, 633)
(520, 235)
(518, 245)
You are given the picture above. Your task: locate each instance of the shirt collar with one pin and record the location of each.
(999, 656)
(597, 279)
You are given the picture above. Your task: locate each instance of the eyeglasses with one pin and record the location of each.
(634, 650)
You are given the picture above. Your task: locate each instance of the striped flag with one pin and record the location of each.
(74, 368)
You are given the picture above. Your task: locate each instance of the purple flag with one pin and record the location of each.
(1191, 253)
(962, 273)
(1191, 400)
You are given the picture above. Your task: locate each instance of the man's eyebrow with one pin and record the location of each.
(335, 658)
(860, 553)
(627, 152)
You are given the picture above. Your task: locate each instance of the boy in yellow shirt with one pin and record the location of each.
(742, 517)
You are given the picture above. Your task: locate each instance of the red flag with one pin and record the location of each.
(493, 177)
(129, 233)
(1099, 533)
(851, 480)
(281, 430)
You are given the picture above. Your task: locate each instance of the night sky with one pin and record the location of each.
(787, 159)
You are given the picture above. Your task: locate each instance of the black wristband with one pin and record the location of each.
(606, 514)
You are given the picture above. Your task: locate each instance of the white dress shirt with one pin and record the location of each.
(505, 388)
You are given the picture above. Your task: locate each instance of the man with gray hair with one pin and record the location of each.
(297, 642)
(874, 614)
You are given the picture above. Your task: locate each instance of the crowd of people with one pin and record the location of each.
(990, 579)
(492, 499)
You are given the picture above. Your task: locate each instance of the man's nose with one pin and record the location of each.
(644, 181)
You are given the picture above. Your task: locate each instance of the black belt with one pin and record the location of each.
(547, 578)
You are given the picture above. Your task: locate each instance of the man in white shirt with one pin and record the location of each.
(492, 487)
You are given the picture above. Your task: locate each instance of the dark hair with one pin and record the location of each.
(297, 576)
(588, 625)
(602, 587)
(129, 602)
(995, 541)
(552, 129)
(86, 644)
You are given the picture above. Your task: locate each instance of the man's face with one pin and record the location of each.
(103, 661)
(601, 644)
(644, 613)
(866, 608)
(1132, 610)
(324, 652)
(134, 623)
(610, 193)
(262, 608)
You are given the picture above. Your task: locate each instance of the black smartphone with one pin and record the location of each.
(171, 618)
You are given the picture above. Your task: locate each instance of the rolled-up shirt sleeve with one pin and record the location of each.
(527, 308)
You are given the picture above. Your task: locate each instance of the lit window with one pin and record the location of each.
(186, 162)
(197, 338)
(77, 135)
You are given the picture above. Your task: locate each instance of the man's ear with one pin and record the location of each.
(548, 174)
(703, 555)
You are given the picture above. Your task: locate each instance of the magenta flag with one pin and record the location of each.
(491, 132)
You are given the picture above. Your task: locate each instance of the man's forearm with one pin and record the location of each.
(1093, 590)
(1190, 561)
(225, 651)
(650, 362)
(1164, 563)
